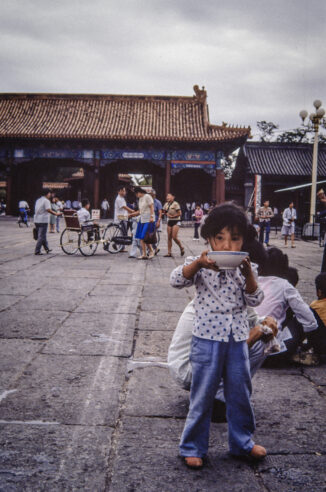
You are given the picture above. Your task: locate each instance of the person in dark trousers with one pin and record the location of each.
(264, 215)
(41, 220)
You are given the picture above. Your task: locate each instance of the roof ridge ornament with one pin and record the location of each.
(200, 94)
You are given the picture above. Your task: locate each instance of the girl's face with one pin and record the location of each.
(226, 240)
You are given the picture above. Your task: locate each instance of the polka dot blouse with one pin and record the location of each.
(220, 302)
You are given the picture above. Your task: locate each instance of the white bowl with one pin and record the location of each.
(227, 260)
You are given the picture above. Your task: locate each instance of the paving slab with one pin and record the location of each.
(162, 397)
(37, 324)
(165, 304)
(123, 278)
(67, 389)
(15, 355)
(109, 305)
(297, 473)
(68, 284)
(147, 461)
(114, 290)
(153, 291)
(21, 285)
(92, 334)
(152, 345)
(158, 320)
(9, 300)
(316, 374)
(51, 300)
(53, 457)
(290, 413)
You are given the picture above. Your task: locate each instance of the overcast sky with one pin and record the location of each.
(258, 59)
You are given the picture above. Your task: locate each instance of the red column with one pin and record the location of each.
(220, 186)
(167, 177)
(97, 184)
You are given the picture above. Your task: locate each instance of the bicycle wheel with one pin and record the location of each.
(69, 241)
(112, 231)
(87, 243)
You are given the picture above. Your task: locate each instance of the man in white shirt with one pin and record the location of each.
(41, 219)
(121, 210)
(288, 228)
(105, 208)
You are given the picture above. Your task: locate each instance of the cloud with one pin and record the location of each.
(258, 60)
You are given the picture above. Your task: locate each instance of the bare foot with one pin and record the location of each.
(193, 462)
(258, 452)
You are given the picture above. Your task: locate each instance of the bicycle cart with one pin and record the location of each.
(84, 238)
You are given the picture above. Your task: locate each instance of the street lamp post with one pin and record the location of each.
(315, 118)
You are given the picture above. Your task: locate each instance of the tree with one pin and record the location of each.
(267, 130)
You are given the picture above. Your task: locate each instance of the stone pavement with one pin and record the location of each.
(86, 401)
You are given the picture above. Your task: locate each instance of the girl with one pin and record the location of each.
(172, 211)
(220, 331)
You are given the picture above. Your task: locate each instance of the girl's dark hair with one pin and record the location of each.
(292, 276)
(320, 282)
(256, 250)
(85, 201)
(225, 215)
(277, 264)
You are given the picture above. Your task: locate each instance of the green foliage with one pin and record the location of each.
(267, 130)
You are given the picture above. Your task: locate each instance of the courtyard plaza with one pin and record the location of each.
(86, 400)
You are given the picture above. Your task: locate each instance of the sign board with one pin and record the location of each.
(96, 214)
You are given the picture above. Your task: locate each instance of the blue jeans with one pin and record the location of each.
(210, 361)
(264, 225)
(41, 237)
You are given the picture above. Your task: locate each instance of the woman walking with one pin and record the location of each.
(172, 210)
(146, 212)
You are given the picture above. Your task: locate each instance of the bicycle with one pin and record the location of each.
(117, 238)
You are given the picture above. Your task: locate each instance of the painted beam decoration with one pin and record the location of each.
(207, 161)
(29, 154)
(112, 155)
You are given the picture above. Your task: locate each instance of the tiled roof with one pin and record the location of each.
(282, 159)
(112, 117)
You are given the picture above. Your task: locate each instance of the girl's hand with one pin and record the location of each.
(245, 267)
(205, 262)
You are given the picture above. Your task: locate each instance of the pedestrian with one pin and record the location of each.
(188, 211)
(68, 205)
(206, 207)
(76, 204)
(23, 212)
(121, 210)
(41, 220)
(219, 346)
(264, 216)
(288, 228)
(198, 216)
(147, 216)
(173, 213)
(158, 210)
(322, 199)
(60, 207)
(53, 218)
(105, 208)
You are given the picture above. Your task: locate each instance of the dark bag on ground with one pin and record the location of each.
(35, 233)
(150, 236)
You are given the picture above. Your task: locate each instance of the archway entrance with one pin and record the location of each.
(116, 173)
(192, 185)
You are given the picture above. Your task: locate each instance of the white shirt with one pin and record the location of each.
(105, 205)
(119, 212)
(23, 204)
(220, 302)
(279, 295)
(41, 215)
(289, 213)
(144, 208)
(83, 215)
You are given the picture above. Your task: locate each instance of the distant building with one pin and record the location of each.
(262, 168)
(169, 137)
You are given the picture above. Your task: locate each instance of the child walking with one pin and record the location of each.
(198, 215)
(219, 347)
